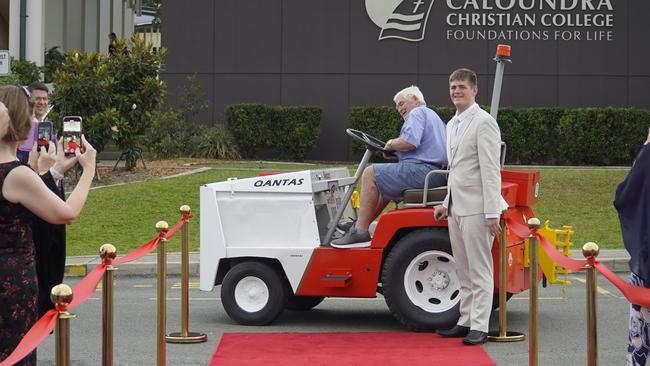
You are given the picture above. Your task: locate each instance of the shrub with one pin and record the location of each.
(289, 131)
(171, 136)
(586, 136)
(26, 71)
(213, 143)
(530, 134)
(297, 131)
(53, 61)
(601, 136)
(117, 95)
(83, 88)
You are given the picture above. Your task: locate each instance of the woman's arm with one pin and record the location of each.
(23, 186)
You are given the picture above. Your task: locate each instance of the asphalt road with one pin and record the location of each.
(562, 326)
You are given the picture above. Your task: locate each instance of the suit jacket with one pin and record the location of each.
(474, 183)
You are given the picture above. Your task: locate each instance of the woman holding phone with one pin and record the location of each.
(23, 195)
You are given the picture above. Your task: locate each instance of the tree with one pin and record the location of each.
(115, 95)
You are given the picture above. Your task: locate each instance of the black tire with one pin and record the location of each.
(434, 301)
(301, 303)
(266, 296)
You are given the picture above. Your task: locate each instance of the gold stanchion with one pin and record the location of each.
(590, 250)
(108, 253)
(61, 296)
(533, 223)
(162, 227)
(503, 335)
(185, 336)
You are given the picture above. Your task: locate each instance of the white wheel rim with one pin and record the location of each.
(251, 294)
(431, 282)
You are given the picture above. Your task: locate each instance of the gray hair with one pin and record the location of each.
(411, 91)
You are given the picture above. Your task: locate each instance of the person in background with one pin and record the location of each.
(23, 196)
(40, 97)
(632, 201)
(49, 239)
(473, 205)
(420, 148)
(112, 37)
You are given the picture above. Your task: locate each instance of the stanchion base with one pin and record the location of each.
(509, 337)
(191, 337)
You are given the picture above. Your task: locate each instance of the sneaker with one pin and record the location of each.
(353, 239)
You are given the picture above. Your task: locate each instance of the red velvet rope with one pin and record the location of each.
(634, 294)
(82, 291)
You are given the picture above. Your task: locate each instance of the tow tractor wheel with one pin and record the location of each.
(419, 281)
(253, 293)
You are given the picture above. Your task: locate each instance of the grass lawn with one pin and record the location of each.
(583, 199)
(126, 215)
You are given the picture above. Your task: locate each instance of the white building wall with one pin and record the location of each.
(54, 20)
(35, 41)
(91, 36)
(74, 25)
(104, 25)
(14, 27)
(70, 24)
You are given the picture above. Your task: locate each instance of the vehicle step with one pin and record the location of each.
(336, 281)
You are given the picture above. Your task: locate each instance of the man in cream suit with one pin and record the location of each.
(473, 205)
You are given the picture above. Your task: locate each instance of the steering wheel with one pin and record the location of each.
(371, 142)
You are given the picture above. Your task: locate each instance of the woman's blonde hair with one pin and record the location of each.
(16, 99)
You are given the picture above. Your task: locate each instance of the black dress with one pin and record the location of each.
(18, 284)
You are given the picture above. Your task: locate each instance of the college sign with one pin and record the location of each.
(496, 20)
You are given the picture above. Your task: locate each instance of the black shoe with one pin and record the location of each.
(475, 337)
(457, 331)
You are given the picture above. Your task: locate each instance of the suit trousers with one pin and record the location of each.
(471, 243)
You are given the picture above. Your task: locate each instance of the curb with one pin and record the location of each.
(132, 269)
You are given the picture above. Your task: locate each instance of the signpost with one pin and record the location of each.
(5, 68)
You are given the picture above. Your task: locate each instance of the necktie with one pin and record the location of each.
(454, 134)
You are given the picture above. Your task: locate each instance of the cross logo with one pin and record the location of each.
(401, 19)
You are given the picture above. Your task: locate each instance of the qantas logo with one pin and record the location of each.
(279, 182)
(401, 19)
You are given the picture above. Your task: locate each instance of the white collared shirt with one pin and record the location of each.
(459, 120)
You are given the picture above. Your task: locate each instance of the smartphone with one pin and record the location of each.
(72, 134)
(45, 130)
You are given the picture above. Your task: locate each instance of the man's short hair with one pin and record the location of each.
(463, 75)
(37, 85)
(411, 91)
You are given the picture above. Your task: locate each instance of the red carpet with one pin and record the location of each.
(343, 349)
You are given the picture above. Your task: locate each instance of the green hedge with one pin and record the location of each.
(559, 136)
(290, 131)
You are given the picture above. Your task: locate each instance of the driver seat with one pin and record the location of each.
(435, 196)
